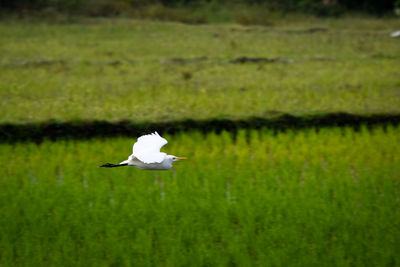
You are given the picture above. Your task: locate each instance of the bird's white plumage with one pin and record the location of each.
(147, 156)
(147, 148)
(395, 34)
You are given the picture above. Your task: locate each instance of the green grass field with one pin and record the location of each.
(300, 198)
(151, 71)
(311, 197)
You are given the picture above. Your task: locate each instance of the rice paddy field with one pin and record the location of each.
(316, 196)
(328, 196)
(115, 69)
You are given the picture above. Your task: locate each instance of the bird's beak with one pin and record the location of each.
(181, 158)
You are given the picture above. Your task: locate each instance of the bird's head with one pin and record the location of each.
(175, 158)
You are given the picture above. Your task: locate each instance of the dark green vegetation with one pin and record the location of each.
(149, 71)
(57, 130)
(198, 11)
(299, 198)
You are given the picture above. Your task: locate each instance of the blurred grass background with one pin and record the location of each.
(151, 71)
(266, 197)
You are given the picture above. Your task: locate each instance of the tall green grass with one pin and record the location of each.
(300, 198)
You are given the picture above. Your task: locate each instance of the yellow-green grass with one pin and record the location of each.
(115, 69)
(300, 198)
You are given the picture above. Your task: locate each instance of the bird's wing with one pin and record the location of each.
(147, 148)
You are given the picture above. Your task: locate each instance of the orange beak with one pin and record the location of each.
(181, 158)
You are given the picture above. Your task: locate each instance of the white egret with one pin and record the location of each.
(395, 34)
(146, 154)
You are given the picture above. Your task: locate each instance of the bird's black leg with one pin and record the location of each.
(110, 165)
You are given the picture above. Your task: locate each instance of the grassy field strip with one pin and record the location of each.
(125, 69)
(161, 92)
(299, 198)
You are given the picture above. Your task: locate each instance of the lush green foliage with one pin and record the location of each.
(290, 199)
(140, 70)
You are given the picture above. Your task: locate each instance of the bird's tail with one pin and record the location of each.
(110, 165)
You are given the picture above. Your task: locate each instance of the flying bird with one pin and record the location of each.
(146, 154)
